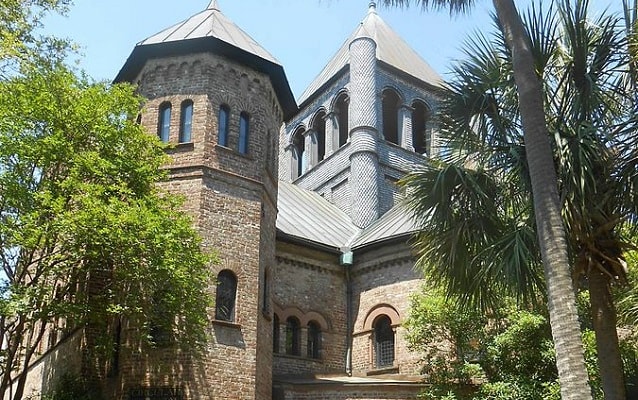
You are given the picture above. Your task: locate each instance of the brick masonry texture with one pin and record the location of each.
(232, 198)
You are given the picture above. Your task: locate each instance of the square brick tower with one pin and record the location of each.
(219, 98)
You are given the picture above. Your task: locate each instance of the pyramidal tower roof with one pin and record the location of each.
(210, 23)
(210, 31)
(391, 50)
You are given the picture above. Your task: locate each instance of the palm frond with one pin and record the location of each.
(453, 6)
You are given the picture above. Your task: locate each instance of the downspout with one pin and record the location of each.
(346, 261)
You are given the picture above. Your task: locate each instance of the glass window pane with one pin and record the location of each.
(222, 134)
(243, 133)
(164, 125)
(186, 122)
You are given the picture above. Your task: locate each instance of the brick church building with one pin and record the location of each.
(299, 198)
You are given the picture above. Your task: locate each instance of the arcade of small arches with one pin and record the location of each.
(300, 334)
(293, 328)
(186, 124)
(407, 125)
(296, 333)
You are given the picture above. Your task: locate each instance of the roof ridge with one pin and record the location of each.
(392, 49)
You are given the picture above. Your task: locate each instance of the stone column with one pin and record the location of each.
(364, 159)
(332, 132)
(405, 127)
(290, 173)
(310, 149)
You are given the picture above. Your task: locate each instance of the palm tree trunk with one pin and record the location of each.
(570, 359)
(604, 320)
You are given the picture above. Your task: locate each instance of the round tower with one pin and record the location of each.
(219, 99)
(364, 158)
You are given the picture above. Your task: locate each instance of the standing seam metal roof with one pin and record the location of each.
(306, 215)
(211, 31)
(210, 23)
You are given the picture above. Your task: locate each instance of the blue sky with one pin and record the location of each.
(302, 34)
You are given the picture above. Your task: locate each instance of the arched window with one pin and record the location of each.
(390, 107)
(319, 127)
(161, 319)
(383, 342)
(298, 150)
(314, 339)
(164, 122)
(341, 107)
(244, 131)
(293, 333)
(186, 121)
(225, 298)
(421, 139)
(116, 349)
(275, 333)
(223, 125)
(265, 299)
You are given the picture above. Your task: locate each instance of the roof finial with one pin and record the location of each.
(372, 7)
(213, 5)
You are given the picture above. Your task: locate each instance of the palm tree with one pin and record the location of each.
(586, 109)
(551, 234)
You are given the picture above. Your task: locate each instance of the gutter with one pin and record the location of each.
(345, 260)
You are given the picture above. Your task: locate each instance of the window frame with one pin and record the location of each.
(293, 336)
(244, 132)
(223, 129)
(226, 296)
(164, 121)
(187, 109)
(313, 348)
(384, 342)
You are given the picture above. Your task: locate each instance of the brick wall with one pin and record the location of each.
(232, 198)
(310, 285)
(383, 277)
(352, 392)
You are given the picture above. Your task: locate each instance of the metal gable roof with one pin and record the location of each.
(305, 214)
(396, 222)
(391, 49)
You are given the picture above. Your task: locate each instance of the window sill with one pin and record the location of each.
(294, 357)
(227, 324)
(383, 371)
(180, 147)
(233, 151)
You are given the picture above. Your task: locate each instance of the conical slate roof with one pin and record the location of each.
(211, 31)
(391, 50)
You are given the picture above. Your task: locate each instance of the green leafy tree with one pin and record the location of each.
(478, 198)
(544, 184)
(509, 354)
(88, 237)
(20, 40)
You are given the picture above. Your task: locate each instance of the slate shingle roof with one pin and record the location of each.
(391, 50)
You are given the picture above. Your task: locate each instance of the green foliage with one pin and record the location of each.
(20, 41)
(474, 203)
(627, 296)
(71, 387)
(508, 355)
(87, 234)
